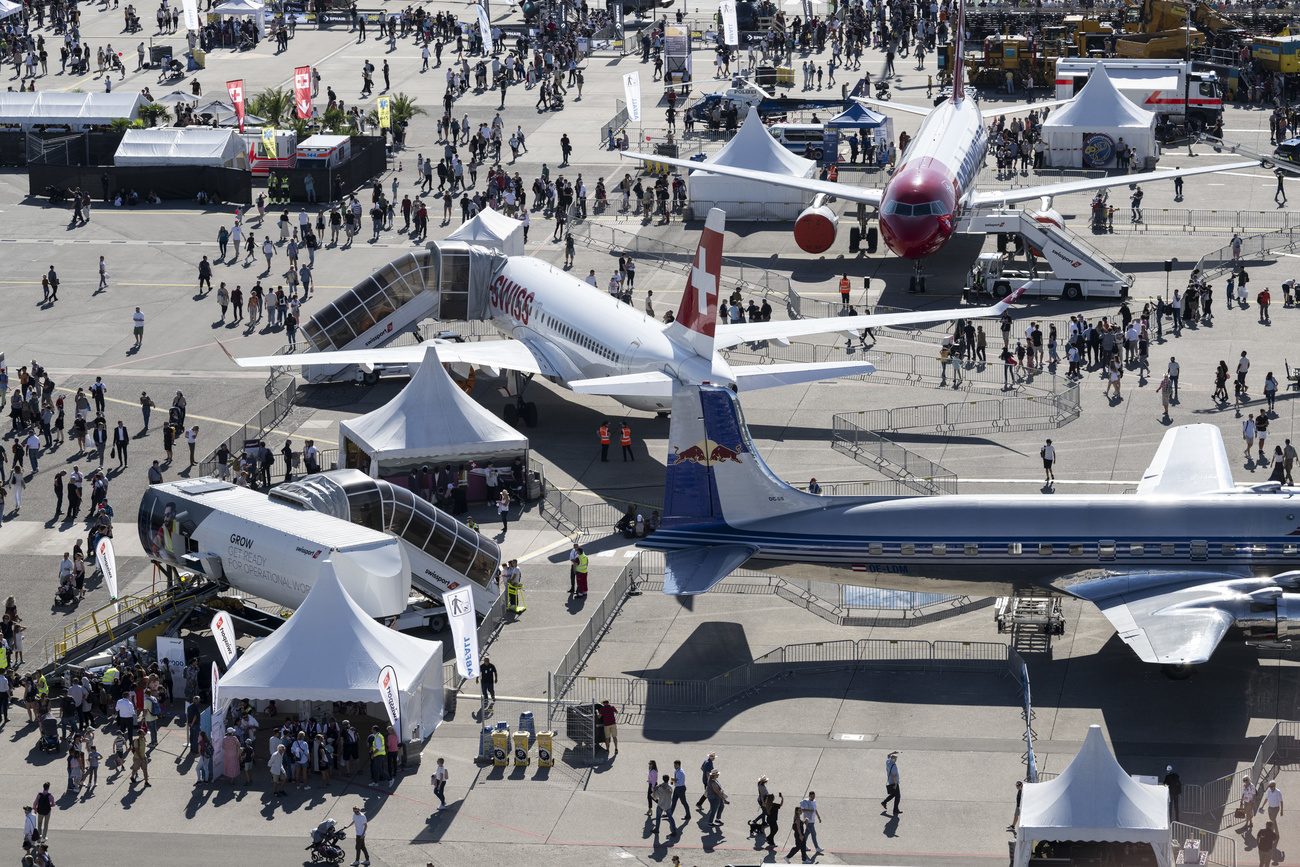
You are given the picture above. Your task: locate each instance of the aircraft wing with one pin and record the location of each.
(995, 198)
(1174, 618)
(1026, 106)
(755, 376)
(652, 384)
(747, 332)
(894, 106)
(495, 354)
(1191, 460)
(694, 570)
(848, 192)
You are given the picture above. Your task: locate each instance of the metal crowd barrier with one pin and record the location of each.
(257, 427)
(1217, 849)
(1057, 408)
(487, 632)
(920, 474)
(1254, 247)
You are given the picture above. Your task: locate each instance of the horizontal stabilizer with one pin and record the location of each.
(497, 354)
(771, 375)
(688, 571)
(1191, 460)
(652, 384)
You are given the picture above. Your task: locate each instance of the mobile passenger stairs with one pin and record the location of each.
(1070, 268)
(1031, 619)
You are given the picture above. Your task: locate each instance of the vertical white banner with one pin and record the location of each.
(484, 27)
(224, 633)
(392, 698)
(107, 562)
(216, 682)
(632, 95)
(464, 631)
(191, 10)
(730, 32)
(173, 650)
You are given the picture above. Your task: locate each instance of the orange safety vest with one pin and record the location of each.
(844, 284)
(833, 173)
(627, 436)
(604, 435)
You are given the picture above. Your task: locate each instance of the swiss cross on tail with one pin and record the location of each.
(698, 316)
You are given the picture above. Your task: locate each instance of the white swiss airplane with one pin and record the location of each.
(592, 343)
(934, 184)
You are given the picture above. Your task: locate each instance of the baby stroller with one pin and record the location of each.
(325, 840)
(49, 742)
(173, 70)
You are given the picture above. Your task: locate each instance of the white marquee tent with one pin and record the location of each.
(492, 229)
(432, 421)
(751, 148)
(7, 8)
(188, 146)
(255, 9)
(329, 651)
(1098, 110)
(1094, 800)
(75, 110)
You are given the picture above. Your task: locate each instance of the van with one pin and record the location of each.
(798, 137)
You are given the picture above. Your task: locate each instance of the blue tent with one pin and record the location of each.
(857, 116)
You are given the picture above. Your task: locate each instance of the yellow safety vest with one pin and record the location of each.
(377, 747)
(582, 563)
(4, 657)
(42, 688)
(110, 676)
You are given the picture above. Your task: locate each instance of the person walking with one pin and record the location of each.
(44, 806)
(706, 768)
(662, 797)
(811, 817)
(580, 573)
(893, 789)
(1048, 453)
(1174, 784)
(1265, 840)
(1248, 794)
(503, 510)
(1281, 190)
(1271, 800)
(800, 840)
(439, 781)
(1173, 370)
(103, 273)
(1015, 819)
(604, 441)
(137, 320)
(191, 438)
(679, 790)
(717, 800)
(487, 679)
(1164, 389)
(359, 823)
(1288, 461)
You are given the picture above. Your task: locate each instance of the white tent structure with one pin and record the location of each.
(1088, 130)
(751, 148)
(1094, 800)
(186, 146)
(255, 9)
(490, 228)
(75, 110)
(7, 8)
(329, 651)
(432, 421)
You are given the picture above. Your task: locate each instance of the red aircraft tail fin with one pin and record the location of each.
(698, 315)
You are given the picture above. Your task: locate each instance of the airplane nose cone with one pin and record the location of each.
(915, 237)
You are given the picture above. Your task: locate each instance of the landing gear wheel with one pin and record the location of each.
(1178, 672)
(911, 284)
(920, 285)
(530, 414)
(1072, 292)
(370, 377)
(510, 413)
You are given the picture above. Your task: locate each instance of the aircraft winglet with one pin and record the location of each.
(688, 571)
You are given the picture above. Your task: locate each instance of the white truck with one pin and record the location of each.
(1165, 87)
(1057, 263)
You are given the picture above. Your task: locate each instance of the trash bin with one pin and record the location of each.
(533, 488)
(157, 53)
(765, 76)
(522, 759)
(501, 748)
(545, 758)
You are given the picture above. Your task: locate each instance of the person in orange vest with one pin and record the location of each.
(844, 290)
(832, 172)
(625, 438)
(604, 441)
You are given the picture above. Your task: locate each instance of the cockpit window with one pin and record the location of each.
(923, 209)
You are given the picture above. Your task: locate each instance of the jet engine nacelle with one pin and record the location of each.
(814, 231)
(1275, 618)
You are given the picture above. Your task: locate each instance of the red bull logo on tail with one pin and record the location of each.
(708, 452)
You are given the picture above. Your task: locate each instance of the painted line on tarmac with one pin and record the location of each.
(539, 552)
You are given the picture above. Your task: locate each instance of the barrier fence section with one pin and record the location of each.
(1252, 247)
(561, 678)
(256, 427)
(1057, 408)
(1215, 848)
(920, 474)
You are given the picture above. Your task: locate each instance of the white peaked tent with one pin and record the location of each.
(432, 421)
(1093, 800)
(255, 9)
(492, 229)
(1098, 110)
(751, 148)
(7, 8)
(329, 651)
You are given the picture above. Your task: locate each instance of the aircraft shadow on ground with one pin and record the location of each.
(1145, 712)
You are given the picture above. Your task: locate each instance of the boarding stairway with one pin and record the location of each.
(1032, 619)
(1267, 161)
(1068, 256)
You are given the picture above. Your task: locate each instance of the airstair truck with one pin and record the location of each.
(1058, 265)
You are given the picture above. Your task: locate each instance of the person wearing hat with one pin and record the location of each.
(1175, 785)
(30, 835)
(893, 789)
(706, 769)
(1020, 793)
(757, 823)
(717, 800)
(359, 821)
